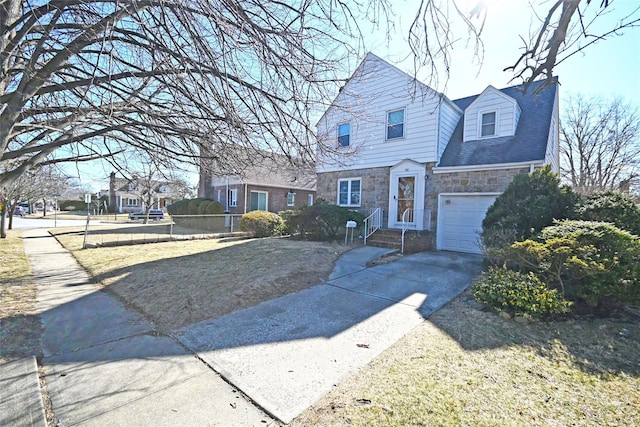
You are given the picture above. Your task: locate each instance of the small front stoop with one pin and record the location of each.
(414, 241)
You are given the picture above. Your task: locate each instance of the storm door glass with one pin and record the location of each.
(406, 191)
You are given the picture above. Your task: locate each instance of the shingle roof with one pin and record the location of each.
(529, 142)
(264, 168)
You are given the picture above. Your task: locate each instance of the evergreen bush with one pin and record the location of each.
(610, 206)
(530, 203)
(594, 262)
(262, 224)
(322, 221)
(518, 294)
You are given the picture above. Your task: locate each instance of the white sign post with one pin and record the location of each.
(351, 225)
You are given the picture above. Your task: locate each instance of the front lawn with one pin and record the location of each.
(464, 366)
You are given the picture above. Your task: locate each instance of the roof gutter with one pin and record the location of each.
(448, 169)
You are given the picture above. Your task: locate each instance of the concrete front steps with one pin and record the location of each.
(414, 241)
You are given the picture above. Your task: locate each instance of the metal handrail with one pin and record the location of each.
(372, 223)
(405, 216)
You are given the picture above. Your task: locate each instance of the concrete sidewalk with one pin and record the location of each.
(107, 365)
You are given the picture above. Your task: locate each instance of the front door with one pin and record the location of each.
(405, 199)
(406, 194)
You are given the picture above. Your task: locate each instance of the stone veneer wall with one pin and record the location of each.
(375, 187)
(486, 181)
(374, 182)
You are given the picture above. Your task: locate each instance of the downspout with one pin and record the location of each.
(227, 198)
(245, 197)
(532, 167)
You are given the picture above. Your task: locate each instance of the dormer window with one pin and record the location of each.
(395, 124)
(488, 124)
(344, 133)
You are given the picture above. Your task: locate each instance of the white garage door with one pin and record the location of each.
(460, 221)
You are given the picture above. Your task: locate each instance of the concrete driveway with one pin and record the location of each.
(287, 353)
(107, 365)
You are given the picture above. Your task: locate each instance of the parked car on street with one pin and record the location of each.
(153, 214)
(25, 207)
(18, 211)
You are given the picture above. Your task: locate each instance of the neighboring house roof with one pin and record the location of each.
(131, 187)
(269, 169)
(280, 172)
(527, 145)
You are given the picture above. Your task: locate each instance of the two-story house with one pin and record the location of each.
(413, 158)
(129, 195)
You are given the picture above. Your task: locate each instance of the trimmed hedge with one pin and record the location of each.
(197, 206)
(262, 224)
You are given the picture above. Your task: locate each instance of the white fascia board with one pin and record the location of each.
(286, 187)
(449, 169)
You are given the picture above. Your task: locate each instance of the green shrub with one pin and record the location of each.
(209, 207)
(290, 220)
(262, 223)
(197, 206)
(322, 221)
(595, 262)
(530, 203)
(72, 205)
(610, 206)
(179, 207)
(518, 294)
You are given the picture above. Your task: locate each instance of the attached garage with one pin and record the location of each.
(460, 218)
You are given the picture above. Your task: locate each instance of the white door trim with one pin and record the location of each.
(406, 168)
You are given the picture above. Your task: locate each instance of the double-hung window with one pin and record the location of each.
(232, 197)
(349, 192)
(291, 198)
(488, 124)
(344, 134)
(395, 124)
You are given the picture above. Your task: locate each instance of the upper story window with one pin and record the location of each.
(349, 192)
(488, 124)
(344, 134)
(395, 124)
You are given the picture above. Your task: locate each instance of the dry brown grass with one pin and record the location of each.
(19, 326)
(469, 367)
(179, 283)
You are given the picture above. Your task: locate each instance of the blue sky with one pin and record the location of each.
(608, 69)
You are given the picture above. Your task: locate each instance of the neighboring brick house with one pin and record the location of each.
(266, 182)
(409, 150)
